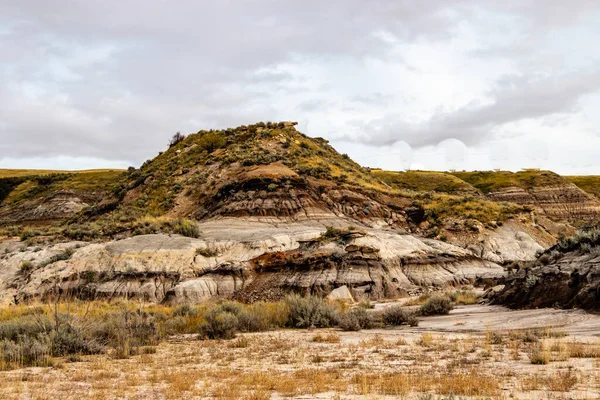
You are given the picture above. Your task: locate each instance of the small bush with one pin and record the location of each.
(395, 316)
(349, 322)
(206, 252)
(185, 310)
(127, 332)
(310, 311)
(211, 141)
(412, 320)
(356, 319)
(464, 297)
(178, 137)
(68, 339)
(437, 305)
(219, 324)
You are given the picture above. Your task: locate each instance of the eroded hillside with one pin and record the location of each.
(257, 211)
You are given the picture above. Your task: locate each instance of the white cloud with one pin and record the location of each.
(111, 81)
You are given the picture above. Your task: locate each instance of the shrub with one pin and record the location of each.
(464, 297)
(232, 307)
(436, 305)
(395, 315)
(251, 321)
(310, 311)
(412, 320)
(127, 332)
(219, 324)
(178, 137)
(67, 339)
(356, 319)
(207, 252)
(25, 351)
(28, 325)
(185, 310)
(211, 141)
(349, 322)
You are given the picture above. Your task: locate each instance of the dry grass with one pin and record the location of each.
(394, 362)
(328, 338)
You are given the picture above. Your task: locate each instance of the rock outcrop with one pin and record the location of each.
(240, 258)
(57, 206)
(556, 279)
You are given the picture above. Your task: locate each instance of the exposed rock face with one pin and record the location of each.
(565, 202)
(572, 280)
(58, 206)
(508, 243)
(245, 259)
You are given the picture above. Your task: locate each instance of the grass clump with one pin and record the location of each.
(310, 312)
(539, 355)
(464, 297)
(329, 338)
(186, 227)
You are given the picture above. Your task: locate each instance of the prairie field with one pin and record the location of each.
(475, 352)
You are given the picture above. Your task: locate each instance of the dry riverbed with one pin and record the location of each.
(475, 352)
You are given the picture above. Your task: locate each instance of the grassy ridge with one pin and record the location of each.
(491, 181)
(424, 181)
(16, 185)
(12, 173)
(589, 184)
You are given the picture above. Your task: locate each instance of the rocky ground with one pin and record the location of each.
(475, 352)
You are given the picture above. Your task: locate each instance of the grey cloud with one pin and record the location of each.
(114, 79)
(515, 98)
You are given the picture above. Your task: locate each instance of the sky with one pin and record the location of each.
(396, 84)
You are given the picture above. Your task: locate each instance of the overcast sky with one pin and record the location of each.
(438, 84)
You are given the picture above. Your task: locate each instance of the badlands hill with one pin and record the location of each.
(257, 211)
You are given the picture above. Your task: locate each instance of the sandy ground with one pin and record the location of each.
(476, 352)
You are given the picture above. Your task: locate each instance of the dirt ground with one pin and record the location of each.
(476, 352)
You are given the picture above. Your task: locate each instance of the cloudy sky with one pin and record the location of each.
(430, 84)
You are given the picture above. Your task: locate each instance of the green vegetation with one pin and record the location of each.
(438, 207)
(397, 315)
(583, 241)
(490, 181)
(17, 186)
(200, 174)
(589, 184)
(436, 305)
(424, 181)
(33, 335)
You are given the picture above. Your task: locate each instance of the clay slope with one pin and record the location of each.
(566, 275)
